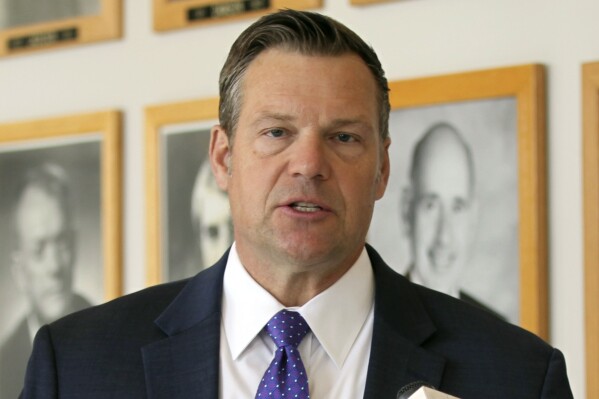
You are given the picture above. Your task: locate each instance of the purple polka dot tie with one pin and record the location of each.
(286, 376)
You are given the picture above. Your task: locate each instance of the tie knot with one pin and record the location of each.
(287, 328)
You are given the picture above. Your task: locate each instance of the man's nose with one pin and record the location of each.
(53, 259)
(444, 235)
(310, 156)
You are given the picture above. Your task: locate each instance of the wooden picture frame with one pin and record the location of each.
(188, 216)
(60, 240)
(93, 21)
(368, 2)
(178, 14)
(590, 118)
(519, 92)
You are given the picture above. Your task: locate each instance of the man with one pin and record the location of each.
(42, 266)
(301, 150)
(440, 211)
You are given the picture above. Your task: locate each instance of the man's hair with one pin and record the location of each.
(309, 34)
(53, 180)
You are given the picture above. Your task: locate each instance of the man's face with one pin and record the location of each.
(307, 162)
(43, 262)
(442, 212)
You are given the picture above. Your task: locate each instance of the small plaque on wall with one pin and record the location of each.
(169, 14)
(32, 25)
(229, 9)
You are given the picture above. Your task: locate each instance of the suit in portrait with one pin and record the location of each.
(15, 352)
(163, 342)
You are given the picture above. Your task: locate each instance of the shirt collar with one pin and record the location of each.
(335, 316)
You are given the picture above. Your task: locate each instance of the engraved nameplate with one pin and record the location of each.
(42, 39)
(226, 9)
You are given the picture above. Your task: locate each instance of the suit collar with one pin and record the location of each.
(185, 363)
(401, 327)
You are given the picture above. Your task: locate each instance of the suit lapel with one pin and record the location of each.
(186, 362)
(401, 327)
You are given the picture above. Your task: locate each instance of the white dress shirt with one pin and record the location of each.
(336, 351)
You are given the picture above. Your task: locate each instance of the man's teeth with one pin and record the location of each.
(305, 207)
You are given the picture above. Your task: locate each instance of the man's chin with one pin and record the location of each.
(440, 277)
(55, 306)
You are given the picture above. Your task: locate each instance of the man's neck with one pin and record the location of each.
(33, 324)
(294, 283)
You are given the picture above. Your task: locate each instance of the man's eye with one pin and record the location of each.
(38, 250)
(428, 203)
(275, 133)
(345, 138)
(460, 205)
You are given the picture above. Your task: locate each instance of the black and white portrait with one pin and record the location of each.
(196, 211)
(16, 13)
(50, 242)
(449, 219)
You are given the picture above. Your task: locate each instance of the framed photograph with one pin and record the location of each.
(465, 208)
(177, 14)
(60, 239)
(590, 119)
(188, 217)
(31, 25)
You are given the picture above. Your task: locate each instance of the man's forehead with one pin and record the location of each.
(274, 57)
(37, 207)
(279, 86)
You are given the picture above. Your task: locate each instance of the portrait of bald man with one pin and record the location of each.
(455, 202)
(440, 211)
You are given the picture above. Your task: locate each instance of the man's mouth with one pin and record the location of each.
(305, 207)
(442, 259)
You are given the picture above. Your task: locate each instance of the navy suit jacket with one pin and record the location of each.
(163, 342)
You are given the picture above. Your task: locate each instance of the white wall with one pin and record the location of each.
(412, 37)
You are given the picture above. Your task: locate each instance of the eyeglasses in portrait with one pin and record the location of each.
(60, 236)
(50, 244)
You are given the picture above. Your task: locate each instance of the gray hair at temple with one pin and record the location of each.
(307, 33)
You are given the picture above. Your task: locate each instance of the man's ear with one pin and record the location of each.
(474, 214)
(384, 171)
(220, 156)
(18, 273)
(405, 209)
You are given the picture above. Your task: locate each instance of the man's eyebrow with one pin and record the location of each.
(272, 116)
(427, 195)
(336, 123)
(343, 122)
